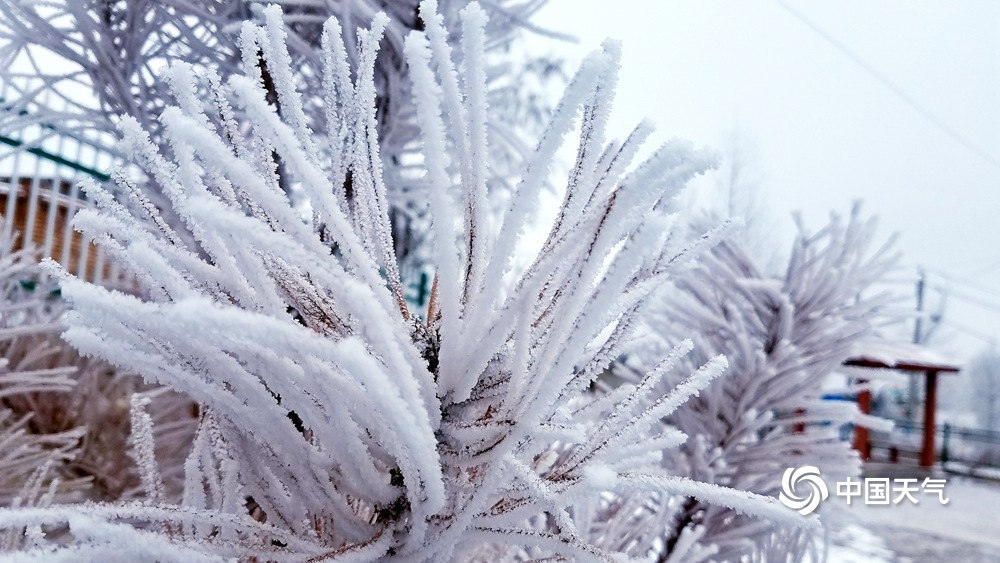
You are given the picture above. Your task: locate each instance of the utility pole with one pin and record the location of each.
(917, 337)
(992, 381)
(911, 396)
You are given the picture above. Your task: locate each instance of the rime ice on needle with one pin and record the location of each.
(361, 431)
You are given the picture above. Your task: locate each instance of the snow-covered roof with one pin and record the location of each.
(900, 355)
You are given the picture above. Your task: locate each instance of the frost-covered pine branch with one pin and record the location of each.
(336, 423)
(783, 336)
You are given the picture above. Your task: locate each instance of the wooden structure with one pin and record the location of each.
(913, 360)
(37, 212)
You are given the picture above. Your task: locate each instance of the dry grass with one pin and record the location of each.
(66, 413)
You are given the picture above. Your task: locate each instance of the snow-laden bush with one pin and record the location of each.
(337, 424)
(64, 418)
(783, 335)
(80, 63)
(73, 66)
(29, 367)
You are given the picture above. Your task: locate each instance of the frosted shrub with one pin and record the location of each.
(64, 419)
(27, 333)
(73, 66)
(337, 424)
(783, 335)
(59, 51)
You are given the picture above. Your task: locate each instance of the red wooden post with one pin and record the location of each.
(860, 432)
(799, 427)
(930, 402)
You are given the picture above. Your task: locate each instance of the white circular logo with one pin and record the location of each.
(808, 474)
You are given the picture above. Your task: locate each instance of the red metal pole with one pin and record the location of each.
(860, 432)
(930, 403)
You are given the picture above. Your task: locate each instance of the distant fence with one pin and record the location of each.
(40, 169)
(970, 447)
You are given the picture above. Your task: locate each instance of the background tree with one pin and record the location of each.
(739, 185)
(79, 64)
(783, 335)
(984, 384)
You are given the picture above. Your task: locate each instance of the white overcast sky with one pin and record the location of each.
(825, 130)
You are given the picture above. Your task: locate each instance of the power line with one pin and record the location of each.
(971, 332)
(992, 292)
(973, 299)
(897, 280)
(899, 92)
(983, 270)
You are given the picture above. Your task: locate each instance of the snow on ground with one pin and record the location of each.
(967, 529)
(852, 543)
